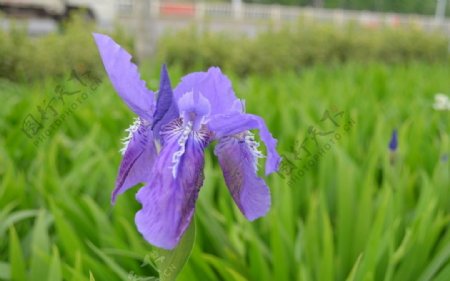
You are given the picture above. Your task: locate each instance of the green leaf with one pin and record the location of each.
(225, 271)
(434, 266)
(5, 273)
(55, 273)
(444, 274)
(91, 276)
(355, 268)
(18, 271)
(171, 262)
(40, 246)
(113, 265)
(16, 217)
(69, 242)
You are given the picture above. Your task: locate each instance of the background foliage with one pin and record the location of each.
(24, 58)
(353, 216)
(427, 7)
(298, 46)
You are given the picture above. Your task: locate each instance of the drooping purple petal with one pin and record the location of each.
(231, 124)
(125, 77)
(138, 158)
(166, 107)
(213, 85)
(238, 158)
(168, 201)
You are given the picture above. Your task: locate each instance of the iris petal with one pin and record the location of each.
(125, 77)
(166, 107)
(168, 202)
(137, 162)
(215, 86)
(238, 158)
(231, 124)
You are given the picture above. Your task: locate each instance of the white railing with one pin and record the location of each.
(248, 19)
(277, 13)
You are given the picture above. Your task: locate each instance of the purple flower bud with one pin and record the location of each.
(393, 143)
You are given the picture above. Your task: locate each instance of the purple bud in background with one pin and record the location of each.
(393, 143)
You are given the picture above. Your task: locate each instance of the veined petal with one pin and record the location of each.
(138, 158)
(232, 124)
(213, 85)
(125, 77)
(238, 156)
(166, 107)
(168, 201)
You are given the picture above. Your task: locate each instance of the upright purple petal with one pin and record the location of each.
(138, 158)
(213, 85)
(194, 108)
(232, 124)
(168, 201)
(238, 157)
(125, 77)
(166, 107)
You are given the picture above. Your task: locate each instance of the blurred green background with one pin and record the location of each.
(361, 212)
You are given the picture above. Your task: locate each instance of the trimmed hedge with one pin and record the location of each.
(24, 58)
(291, 47)
(300, 45)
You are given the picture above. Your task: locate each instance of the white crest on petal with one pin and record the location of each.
(247, 138)
(131, 130)
(182, 148)
(253, 145)
(181, 130)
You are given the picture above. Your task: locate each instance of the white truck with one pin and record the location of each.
(101, 11)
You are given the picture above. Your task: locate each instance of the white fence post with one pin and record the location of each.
(237, 8)
(199, 10)
(154, 8)
(275, 13)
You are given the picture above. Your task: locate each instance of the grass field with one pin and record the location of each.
(359, 212)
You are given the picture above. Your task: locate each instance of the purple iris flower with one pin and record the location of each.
(393, 143)
(184, 121)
